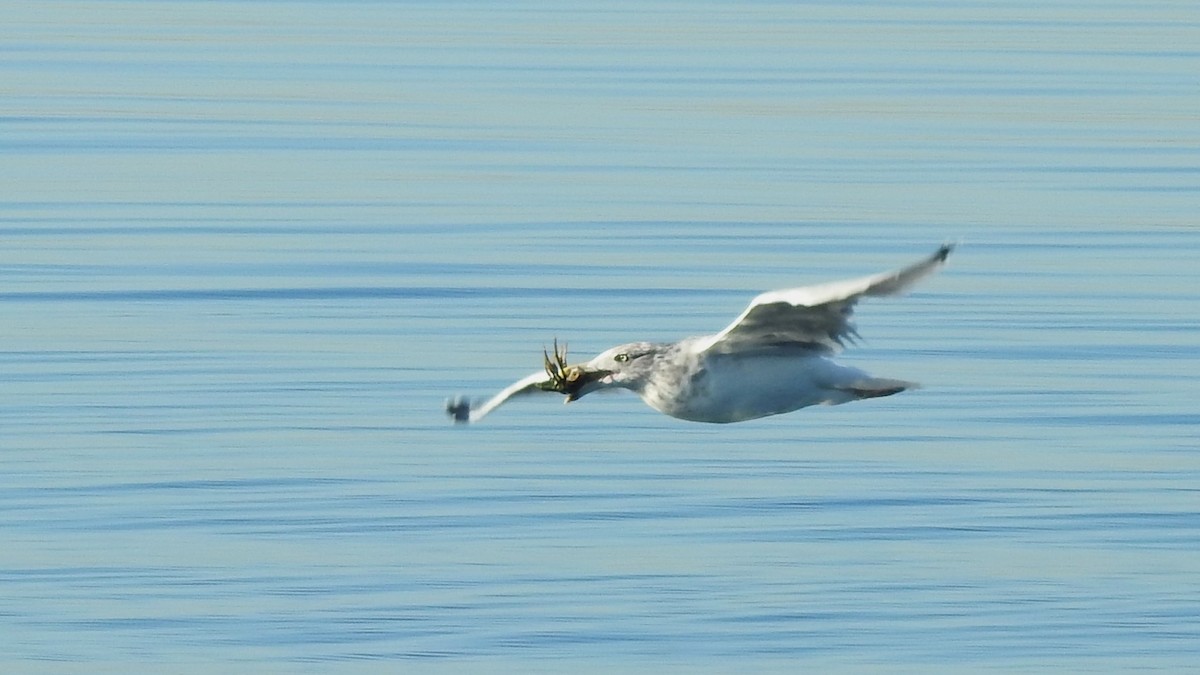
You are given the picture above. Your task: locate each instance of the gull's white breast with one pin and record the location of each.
(736, 387)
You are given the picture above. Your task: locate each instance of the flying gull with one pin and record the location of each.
(773, 358)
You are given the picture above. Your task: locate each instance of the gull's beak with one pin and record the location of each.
(572, 380)
(581, 381)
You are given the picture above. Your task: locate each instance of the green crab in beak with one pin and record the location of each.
(572, 380)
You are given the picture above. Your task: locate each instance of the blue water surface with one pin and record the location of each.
(250, 248)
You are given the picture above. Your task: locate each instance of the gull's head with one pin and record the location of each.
(624, 366)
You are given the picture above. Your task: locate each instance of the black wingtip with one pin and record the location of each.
(943, 252)
(459, 409)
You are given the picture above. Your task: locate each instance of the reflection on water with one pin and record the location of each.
(250, 251)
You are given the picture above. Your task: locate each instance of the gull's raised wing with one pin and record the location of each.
(460, 408)
(815, 318)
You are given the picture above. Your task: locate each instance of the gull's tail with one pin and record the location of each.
(869, 387)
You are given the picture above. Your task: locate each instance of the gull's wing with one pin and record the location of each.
(815, 318)
(460, 408)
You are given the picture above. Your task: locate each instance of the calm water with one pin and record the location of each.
(249, 248)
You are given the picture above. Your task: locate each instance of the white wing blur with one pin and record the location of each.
(461, 410)
(814, 318)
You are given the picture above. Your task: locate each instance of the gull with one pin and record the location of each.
(774, 358)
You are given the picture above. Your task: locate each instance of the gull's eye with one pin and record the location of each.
(621, 358)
